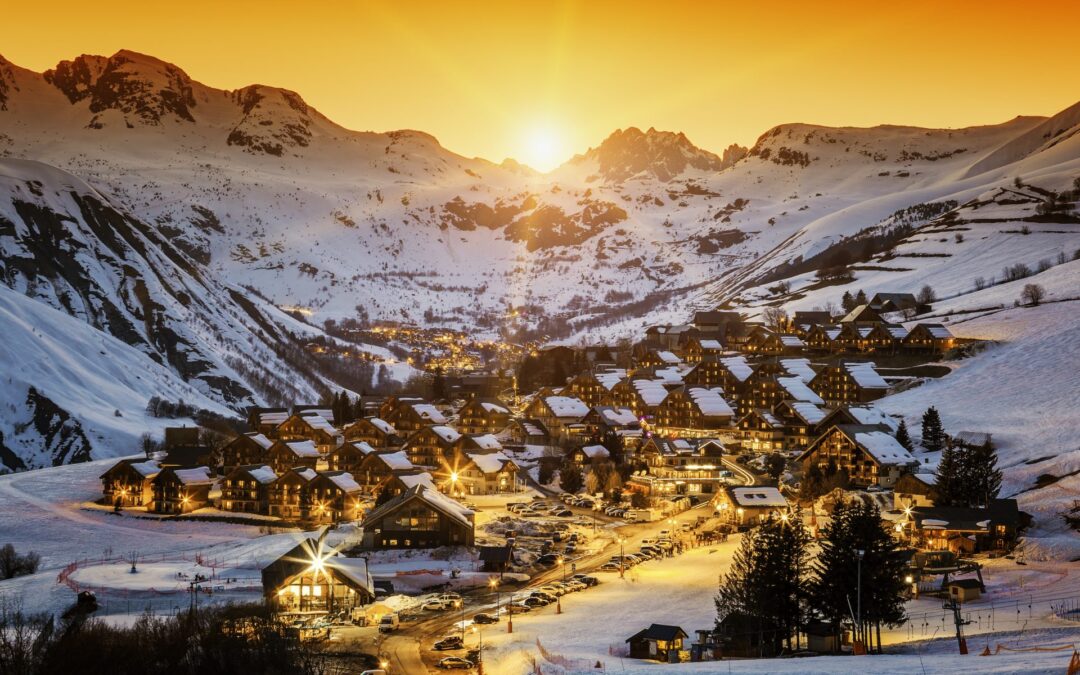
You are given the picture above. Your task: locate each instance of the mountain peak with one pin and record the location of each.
(661, 154)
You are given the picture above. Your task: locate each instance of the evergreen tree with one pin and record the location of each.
(570, 479)
(812, 484)
(775, 464)
(545, 472)
(358, 408)
(933, 434)
(383, 497)
(946, 479)
(860, 298)
(903, 437)
(847, 302)
(986, 476)
(615, 446)
(438, 385)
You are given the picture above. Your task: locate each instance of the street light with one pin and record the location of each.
(858, 593)
(493, 582)
(622, 557)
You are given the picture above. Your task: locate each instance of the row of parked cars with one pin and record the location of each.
(539, 509)
(650, 548)
(615, 511)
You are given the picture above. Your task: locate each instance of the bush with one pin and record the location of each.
(1032, 295)
(926, 295)
(14, 565)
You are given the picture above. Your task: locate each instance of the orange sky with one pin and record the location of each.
(539, 81)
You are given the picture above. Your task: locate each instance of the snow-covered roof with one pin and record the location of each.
(711, 344)
(195, 476)
(343, 480)
(800, 368)
(147, 469)
(652, 392)
(682, 445)
(738, 367)
(567, 406)
(413, 479)
(396, 460)
(667, 357)
(792, 341)
(319, 423)
(274, 418)
(808, 411)
(937, 331)
(595, 451)
(865, 331)
(865, 375)
(798, 391)
(758, 496)
(710, 402)
(261, 440)
(866, 414)
(884, 447)
(832, 333)
(769, 418)
(618, 416)
(488, 462)
(363, 447)
(264, 474)
(494, 407)
(487, 442)
(448, 434)
(611, 378)
(897, 331)
(429, 412)
(531, 429)
(382, 425)
(307, 473)
(303, 448)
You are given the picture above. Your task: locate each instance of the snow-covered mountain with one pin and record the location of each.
(176, 208)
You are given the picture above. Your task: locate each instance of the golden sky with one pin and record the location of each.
(540, 81)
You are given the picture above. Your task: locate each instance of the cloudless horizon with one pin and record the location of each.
(542, 81)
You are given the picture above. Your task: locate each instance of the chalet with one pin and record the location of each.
(641, 395)
(698, 350)
(181, 490)
(749, 506)
(289, 496)
(177, 437)
(393, 402)
(915, 489)
(588, 389)
(669, 337)
(870, 455)
(373, 431)
(482, 473)
(853, 337)
(314, 410)
(528, 432)
(729, 373)
(822, 338)
(858, 414)
(894, 302)
(496, 558)
(885, 338)
(770, 385)
(284, 455)
(717, 323)
(929, 337)
(188, 456)
(801, 420)
(129, 482)
(694, 408)
(608, 419)
(431, 446)
(863, 315)
(585, 454)
(379, 467)
(764, 341)
(800, 368)
(483, 416)
(310, 578)
(658, 359)
(658, 642)
(334, 496)
(418, 518)
(245, 449)
(964, 590)
(812, 318)
(849, 382)
(312, 428)
(965, 530)
(762, 431)
(403, 480)
(348, 456)
(561, 415)
(265, 421)
(483, 385)
(680, 467)
(246, 489)
(412, 416)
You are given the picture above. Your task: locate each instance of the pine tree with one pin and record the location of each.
(860, 298)
(847, 302)
(812, 482)
(570, 479)
(986, 474)
(945, 480)
(933, 434)
(903, 437)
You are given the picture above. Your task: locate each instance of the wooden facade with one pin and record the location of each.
(483, 416)
(129, 482)
(374, 431)
(246, 489)
(178, 491)
(419, 518)
(245, 449)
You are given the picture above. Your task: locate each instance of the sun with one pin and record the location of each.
(544, 148)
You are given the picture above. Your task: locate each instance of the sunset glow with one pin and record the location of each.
(473, 74)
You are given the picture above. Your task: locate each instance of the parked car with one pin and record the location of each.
(436, 605)
(454, 663)
(609, 567)
(453, 598)
(586, 579)
(562, 513)
(534, 601)
(485, 618)
(389, 622)
(448, 642)
(547, 559)
(519, 607)
(547, 597)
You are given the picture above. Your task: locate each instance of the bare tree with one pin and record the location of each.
(775, 318)
(1032, 295)
(926, 295)
(133, 558)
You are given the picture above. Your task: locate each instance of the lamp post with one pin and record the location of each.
(494, 583)
(510, 614)
(558, 598)
(622, 557)
(858, 592)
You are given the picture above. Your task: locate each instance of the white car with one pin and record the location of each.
(436, 605)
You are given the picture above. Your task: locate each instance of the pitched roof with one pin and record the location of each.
(260, 472)
(261, 440)
(395, 460)
(757, 496)
(652, 392)
(595, 451)
(343, 480)
(302, 448)
(798, 391)
(866, 414)
(619, 417)
(865, 375)
(659, 631)
(432, 498)
(567, 406)
(738, 366)
(800, 368)
(196, 476)
(881, 445)
(411, 480)
(710, 402)
(447, 434)
(488, 462)
(429, 412)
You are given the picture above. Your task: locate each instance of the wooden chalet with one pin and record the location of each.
(310, 427)
(749, 506)
(606, 419)
(129, 482)
(853, 337)
(246, 489)
(894, 302)
(915, 489)
(403, 480)
(772, 384)
(312, 579)
(481, 472)
(266, 421)
(662, 358)
(965, 530)
(176, 437)
(870, 455)
(188, 456)
(885, 338)
(729, 373)
(410, 416)
(586, 454)
(762, 431)
(641, 395)
(717, 323)
(374, 431)
(812, 318)
(483, 416)
(560, 415)
(680, 466)
(528, 432)
(245, 449)
(858, 414)
(289, 497)
(929, 338)
(802, 420)
(348, 456)
(179, 490)
(658, 642)
(588, 389)
(334, 496)
(822, 338)
(391, 403)
(702, 349)
(768, 343)
(863, 315)
(418, 518)
(284, 455)
(379, 467)
(849, 382)
(431, 446)
(694, 409)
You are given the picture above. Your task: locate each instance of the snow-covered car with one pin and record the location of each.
(436, 605)
(454, 663)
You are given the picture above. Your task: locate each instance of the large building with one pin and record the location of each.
(310, 578)
(418, 518)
